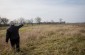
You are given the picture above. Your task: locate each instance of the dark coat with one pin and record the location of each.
(13, 33)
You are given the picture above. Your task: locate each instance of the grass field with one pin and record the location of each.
(47, 40)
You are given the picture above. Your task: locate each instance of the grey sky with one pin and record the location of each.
(68, 10)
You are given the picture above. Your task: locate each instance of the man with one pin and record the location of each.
(13, 35)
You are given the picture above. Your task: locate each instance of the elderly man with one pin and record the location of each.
(13, 35)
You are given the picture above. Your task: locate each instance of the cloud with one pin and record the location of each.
(69, 10)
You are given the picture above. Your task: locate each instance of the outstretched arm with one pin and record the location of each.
(20, 26)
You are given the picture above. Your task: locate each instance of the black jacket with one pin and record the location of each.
(13, 32)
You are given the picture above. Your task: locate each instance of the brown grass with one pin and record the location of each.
(48, 40)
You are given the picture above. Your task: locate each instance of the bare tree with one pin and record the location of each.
(27, 21)
(60, 20)
(30, 21)
(16, 21)
(4, 21)
(52, 21)
(38, 20)
(21, 20)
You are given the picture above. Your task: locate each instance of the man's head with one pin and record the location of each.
(12, 23)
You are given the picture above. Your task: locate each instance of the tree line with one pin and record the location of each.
(5, 21)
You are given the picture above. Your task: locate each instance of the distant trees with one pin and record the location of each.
(38, 20)
(21, 20)
(52, 21)
(3, 21)
(14, 21)
(30, 21)
(61, 21)
(18, 21)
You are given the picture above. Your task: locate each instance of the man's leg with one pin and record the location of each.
(12, 44)
(17, 45)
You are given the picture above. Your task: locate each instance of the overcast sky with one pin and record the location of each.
(68, 10)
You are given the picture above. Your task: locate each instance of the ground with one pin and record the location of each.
(47, 40)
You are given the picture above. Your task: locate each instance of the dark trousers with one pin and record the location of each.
(15, 43)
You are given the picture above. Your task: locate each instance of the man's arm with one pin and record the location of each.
(7, 36)
(20, 26)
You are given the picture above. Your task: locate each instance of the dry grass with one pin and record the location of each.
(48, 40)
